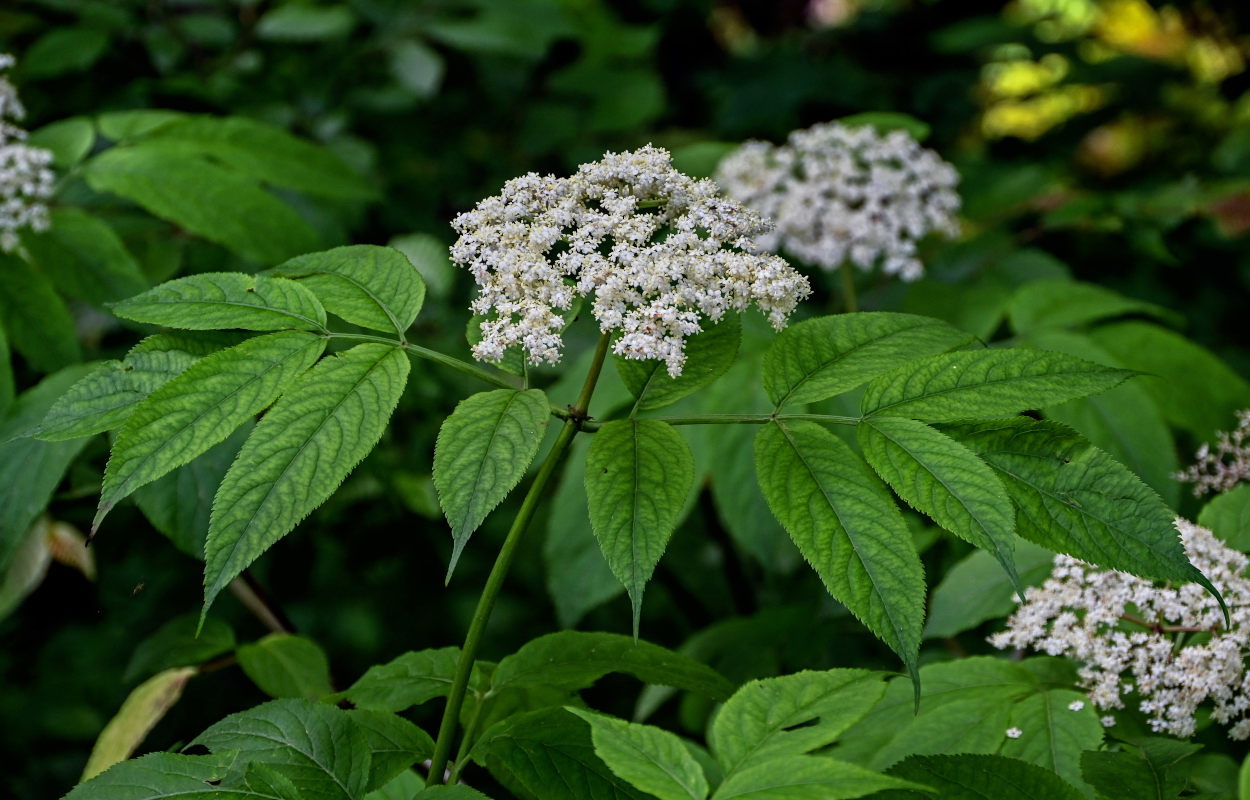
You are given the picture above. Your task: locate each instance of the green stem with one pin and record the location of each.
(503, 561)
(742, 419)
(472, 370)
(848, 286)
(466, 741)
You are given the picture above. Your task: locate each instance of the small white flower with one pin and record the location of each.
(1227, 466)
(1014, 733)
(1107, 722)
(1076, 705)
(1120, 626)
(840, 193)
(26, 181)
(659, 251)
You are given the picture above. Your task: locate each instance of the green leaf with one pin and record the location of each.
(578, 577)
(847, 527)
(302, 23)
(8, 386)
(740, 505)
(651, 759)
(30, 470)
(285, 665)
(105, 397)
(1073, 498)
(317, 747)
(409, 680)
(986, 383)
(201, 407)
(1228, 517)
(326, 422)
(1146, 769)
(39, 325)
(176, 644)
(967, 706)
(179, 503)
(1053, 735)
(85, 258)
(121, 125)
(429, 255)
(69, 140)
(805, 778)
(220, 300)
(980, 777)
(549, 754)
(708, 355)
(219, 204)
(395, 744)
(940, 477)
(374, 287)
(1069, 304)
(168, 775)
(408, 785)
(63, 50)
(1123, 421)
(790, 715)
(1194, 389)
(142, 709)
(823, 357)
(573, 660)
(638, 474)
(266, 153)
(976, 589)
(483, 451)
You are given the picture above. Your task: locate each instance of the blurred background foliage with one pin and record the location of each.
(1104, 141)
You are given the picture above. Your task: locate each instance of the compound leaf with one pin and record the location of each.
(104, 398)
(201, 407)
(847, 527)
(328, 420)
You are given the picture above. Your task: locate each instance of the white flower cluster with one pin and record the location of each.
(655, 247)
(1228, 466)
(1118, 624)
(840, 193)
(25, 178)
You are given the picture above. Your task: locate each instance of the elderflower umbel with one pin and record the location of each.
(840, 193)
(1118, 624)
(1228, 466)
(25, 179)
(656, 248)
